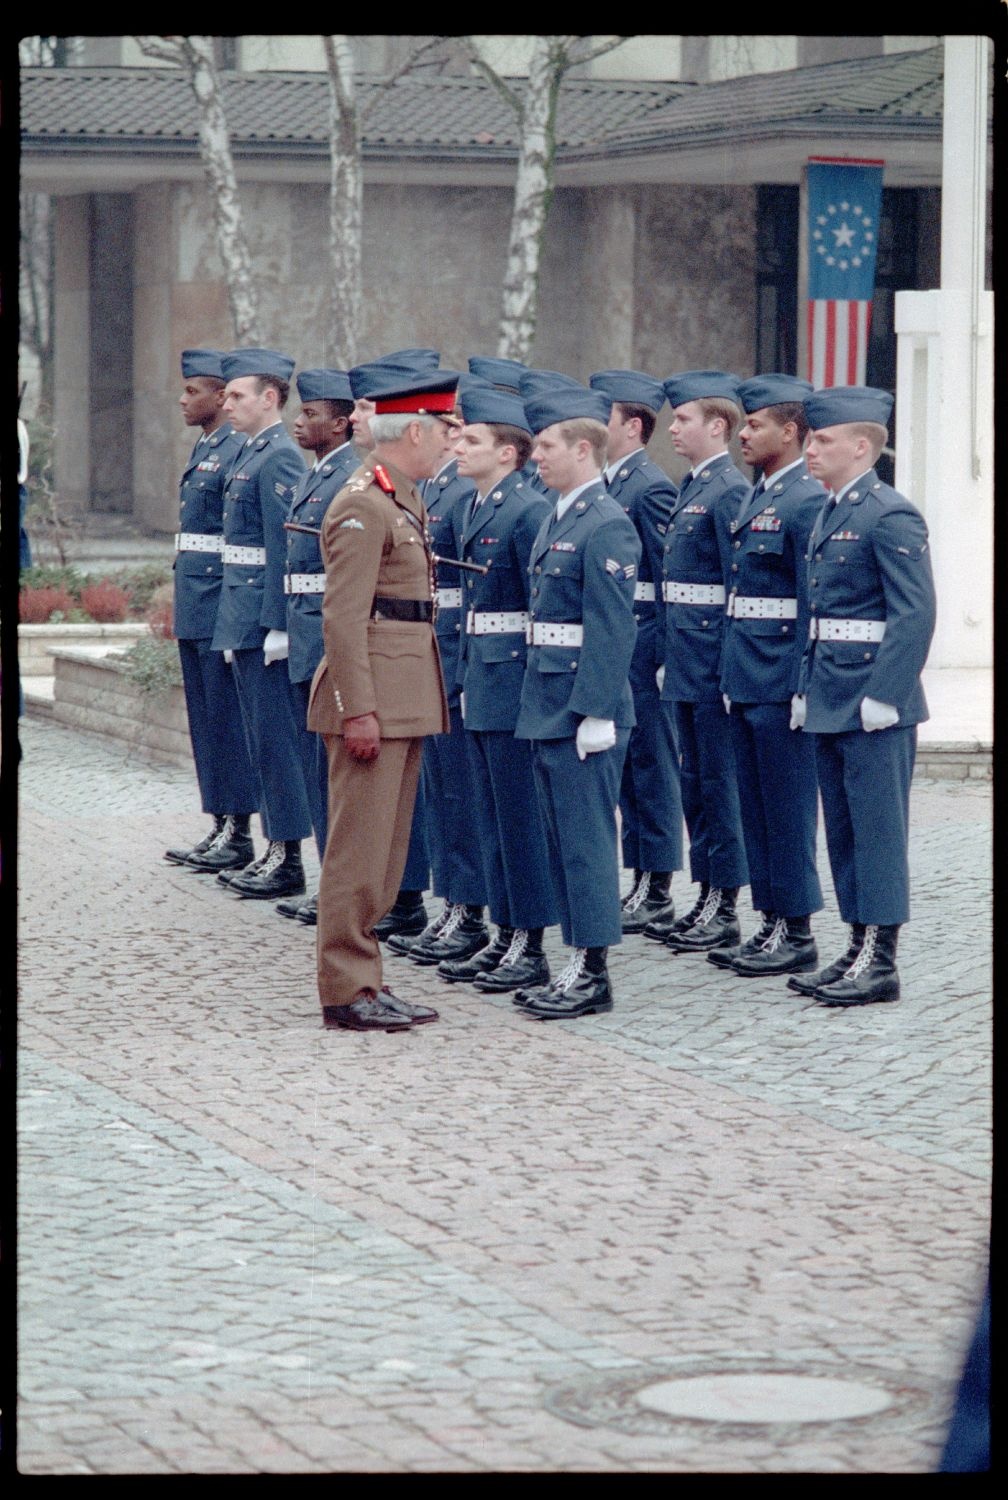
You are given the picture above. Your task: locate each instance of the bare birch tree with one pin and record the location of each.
(347, 117)
(535, 105)
(196, 56)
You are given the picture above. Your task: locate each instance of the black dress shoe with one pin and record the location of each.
(232, 849)
(648, 902)
(872, 977)
(308, 911)
(724, 958)
(662, 926)
(282, 873)
(456, 970)
(364, 1013)
(418, 1015)
(180, 856)
(464, 933)
(582, 989)
(408, 916)
(523, 966)
(790, 949)
(403, 942)
(290, 906)
(717, 926)
(807, 984)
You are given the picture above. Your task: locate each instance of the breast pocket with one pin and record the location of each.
(763, 543)
(502, 648)
(555, 659)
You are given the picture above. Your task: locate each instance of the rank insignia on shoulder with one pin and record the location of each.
(629, 570)
(844, 536)
(382, 480)
(695, 510)
(562, 547)
(281, 490)
(613, 567)
(351, 524)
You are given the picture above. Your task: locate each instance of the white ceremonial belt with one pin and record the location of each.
(304, 583)
(541, 634)
(643, 593)
(484, 622)
(198, 541)
(251, 557)
(846, 630)
(449, 598)
(749, 607)
(693, 593)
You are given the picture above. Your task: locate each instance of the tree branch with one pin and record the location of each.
(491, 75)
(164, 48)
(599, 51)
(412, 61)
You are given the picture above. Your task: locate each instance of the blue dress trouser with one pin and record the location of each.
(650, 800)
(578, 802)
(416, 876)
(456, 867)
(508, 830)
(269, 715)
(779, 804)
(314, 765)
(227, 781)
(710, 796)
(865, 784)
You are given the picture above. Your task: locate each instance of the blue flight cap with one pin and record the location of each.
(487, 403)
(772, 390)
(700, 385)
(474, 383)
(400, 364)
(257, 362)
(417, 359)
(564, 404)
(202, 362)
(324, 385)
(848, 403)
(534, 383)
(630, 386)
(504, 373)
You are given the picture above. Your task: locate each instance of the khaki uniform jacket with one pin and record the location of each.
(370, 545)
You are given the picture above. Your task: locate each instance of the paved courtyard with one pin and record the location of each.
(250, 1245)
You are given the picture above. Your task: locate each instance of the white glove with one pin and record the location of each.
(229, 657)
(727, 702)
(276, 646)
(876, 715)
(594, 735)
(660, 677)
(799, 708)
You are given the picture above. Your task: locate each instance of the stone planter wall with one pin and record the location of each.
(94, 693)
(37, 642)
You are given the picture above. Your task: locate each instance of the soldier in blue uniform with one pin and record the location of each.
(576, 703)
(505, 819)
(872, 616)
(227, 783)
(456, 866)
(506, 375)
(251, 622)
(765, 630)
(696, 560)
(650, 797)
(322, 427)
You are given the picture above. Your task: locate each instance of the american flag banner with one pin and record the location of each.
(844, 207)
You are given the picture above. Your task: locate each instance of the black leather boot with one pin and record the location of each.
(523, 965)
(648, 902)
(232, 849)
(180, 856)
(660, 928)
(308, 911)
(281, 873)
(408, 916)
(403, 942)
(292, 906)
(481, 962)
(724, 958)
(464, 934)
(807, 984)
(790, 949)
(717, 926)
(582, 989)
(871, 977)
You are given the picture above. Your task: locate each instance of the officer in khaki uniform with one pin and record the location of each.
(376, 693)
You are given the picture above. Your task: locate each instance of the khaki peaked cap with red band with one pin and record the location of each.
(431, 395)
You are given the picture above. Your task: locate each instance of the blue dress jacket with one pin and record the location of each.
(201, 503)
(447, 498)
(312, 497)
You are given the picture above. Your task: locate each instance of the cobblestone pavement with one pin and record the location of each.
(249, 1245)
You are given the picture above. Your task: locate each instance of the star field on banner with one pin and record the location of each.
(844, 208)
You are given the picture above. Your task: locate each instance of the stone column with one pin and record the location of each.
(72, 354)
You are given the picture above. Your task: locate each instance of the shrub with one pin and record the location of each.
(51, 576)
(39, 606)
(160, 615)
(142, 584)
(105, 601)
(153, 664)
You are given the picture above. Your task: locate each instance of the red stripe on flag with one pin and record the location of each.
(811, 341)
(829, 374)
(852, 342)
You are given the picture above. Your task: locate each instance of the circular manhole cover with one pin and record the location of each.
(763, 1398)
